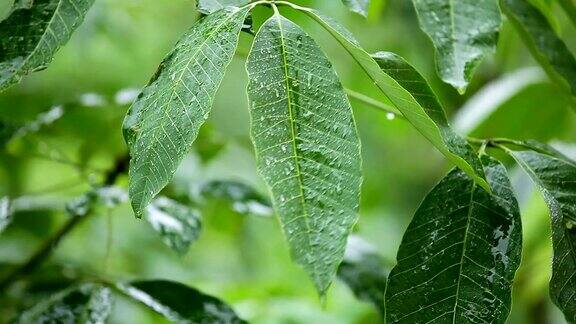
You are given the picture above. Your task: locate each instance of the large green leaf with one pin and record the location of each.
(546, 47)
(459, 255)
(29, 38)
(462, 31)
(556, 177)
(210, 6)
(164, 121)
(307, 145)
(180, 303)
(423, 118)
(358, 6)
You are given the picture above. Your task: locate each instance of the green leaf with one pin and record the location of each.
(364, 271)
(87, 303)
(211, 6)
(459, 254)
(164, 121)
(29, 38)
(306, 143)
(178, 225)
(546, 47)
(180, 303)
(358, 6)
(426, 119)
(463, 32)
(243, 198)
(556, 178)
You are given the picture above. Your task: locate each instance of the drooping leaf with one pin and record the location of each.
(358, 6)
(180, 303)
(29, 38)
(423, 118)
(556, 178)
(209, 6)
(178, 225)
(164, 121)
(306, 143)
(459, 254)
(364, 271)
(463, 32)
(546, 47)
(5, 213)
(87, 303)
(243, 198)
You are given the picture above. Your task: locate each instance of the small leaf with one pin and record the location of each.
(358, 6)
(459, 255)
(463, 32)
(29, 38)
(210, 6)
(421, 117)
(243, 198)
(5, 213)
(556, 178)
(164, 121)
(307, 147)
(364, 271)
(546, 47)
(180, 303)
(178, 225)
(87, 303)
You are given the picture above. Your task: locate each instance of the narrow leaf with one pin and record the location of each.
(424, 118)
(178, 225)
(556, 178)
(306, 143)
(29, 38)
(209, 6)
(180, 303)
(358, 6)
(164, 121)
(459, 255)
(546, 47)
(463, 32)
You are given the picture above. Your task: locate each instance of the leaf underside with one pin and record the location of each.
(463, 32)
(29, 38)
(306, 143)
(556, 178)
(459, 255)
(358, 6)
(165, 119)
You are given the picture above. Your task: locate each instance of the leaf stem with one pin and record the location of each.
(373, 102)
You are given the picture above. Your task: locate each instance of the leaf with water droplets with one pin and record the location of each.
(164, 121)
(87, 303)
(178, 225)
(425, 114)
(5, 213)
(210, 6)
(463, 32)
(243, 198)
(306, 143)
(555, 175)
(30, 37)
(459, 254)
(546, 47)
(180, 303)
(358, 6)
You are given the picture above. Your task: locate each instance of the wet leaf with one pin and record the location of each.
(243, 198)
(358, 6)
(5, 213)
(463, 32)
(459, 255)
(87, 303)
(178, 225)
(364, 271)
(556, 177)
(180, 303)
(209, 6)
(546, 47)
(29, 38)
(426, 119)
(164, 121)
(307, 147)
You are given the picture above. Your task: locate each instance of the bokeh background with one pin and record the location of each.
(244, 259)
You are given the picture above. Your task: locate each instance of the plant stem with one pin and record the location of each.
(373, 102)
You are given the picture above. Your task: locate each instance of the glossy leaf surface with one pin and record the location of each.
(459, 254)
(306, 143)
(30, 37)
(210, 6)
(164, 121)
(358, 6)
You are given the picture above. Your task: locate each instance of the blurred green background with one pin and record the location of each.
(244, 259)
